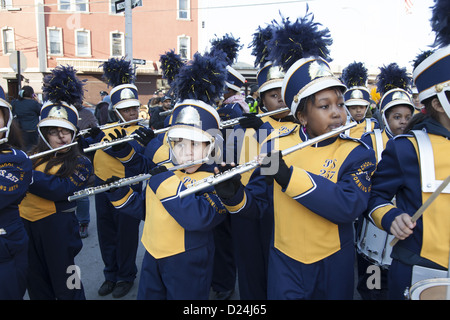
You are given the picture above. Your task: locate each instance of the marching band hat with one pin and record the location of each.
(394, 85)
(119, 75)
(269, 77)
(301, 49)
(357, 96)
(62, 90)
(5, 104)
(306, 77)
(432, 75)
(235, 80)
(354, 76)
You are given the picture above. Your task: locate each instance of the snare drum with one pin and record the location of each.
(374, 244)
(430, 289)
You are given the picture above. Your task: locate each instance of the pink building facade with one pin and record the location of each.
(84, 34)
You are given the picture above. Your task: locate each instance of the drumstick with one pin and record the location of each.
(427, 203)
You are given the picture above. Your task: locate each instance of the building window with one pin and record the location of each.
(184, 9)
(73, 5)
(117, 44)
(112, 7)
(55, 43)
(8, 40)
(83, 43)
(184, 47)
(5, 4)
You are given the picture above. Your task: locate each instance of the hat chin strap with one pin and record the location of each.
(444, 102)
(47, 143)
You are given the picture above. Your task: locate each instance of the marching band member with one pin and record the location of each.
(177, 236)
(396, 108)
(49, 218)
(233, 106)
(118, 235)
(412, 167)
(317, 191)
(357, 99)
(15, 176)
(251, 237)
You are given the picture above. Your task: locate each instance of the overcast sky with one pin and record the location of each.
(376, 32)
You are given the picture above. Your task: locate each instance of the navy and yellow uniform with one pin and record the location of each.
(118, 234)
(53, 230)
(177, 235)
(311, 234)
(251, 236)
(364, 126)
(15, 176)
(399, 174)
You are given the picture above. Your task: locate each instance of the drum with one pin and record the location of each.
(374, 244)
(430, 289)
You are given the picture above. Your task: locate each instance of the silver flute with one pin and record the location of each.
(127, 181)
(105, 144)
(4, 129)
(235, 121)
(224, 176)
(46, 152)
(108, 126)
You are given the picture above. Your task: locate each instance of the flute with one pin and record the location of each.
(235, 121)
(43, 153)
(108, 126)
(105, 144)
(221, 177)
(4, 129)
(166, 113)
(127, 181)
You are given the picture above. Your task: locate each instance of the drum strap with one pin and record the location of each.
(378, 142)
(426, 160)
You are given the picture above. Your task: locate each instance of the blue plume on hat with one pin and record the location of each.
(201, 79)
(293, 41)
(117, 71)
(260, 48)
(439, 22)
(170, 65)
(391, 77)
(420, 57)
(63, 85)
(227, 44)
(355, 75)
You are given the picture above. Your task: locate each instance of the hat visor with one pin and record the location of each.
(357, 102)
(189, 134)
(271, 84)
(127, 104)
(57, 123)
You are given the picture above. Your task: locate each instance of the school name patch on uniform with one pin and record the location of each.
(362, 177)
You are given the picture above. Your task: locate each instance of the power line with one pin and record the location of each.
(158, 10)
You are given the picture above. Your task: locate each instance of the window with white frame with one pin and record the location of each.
(112, 7)
(73, 5)
(82, 43)
(5, 4)
(184, 9)
(55, 44)
(184, 47)
(117, 44)
(8, 40)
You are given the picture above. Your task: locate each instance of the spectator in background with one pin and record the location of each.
(253, 99)
(101, 110)
(26, 110)
(156, 119)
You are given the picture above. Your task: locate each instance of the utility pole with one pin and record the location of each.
(128, 31)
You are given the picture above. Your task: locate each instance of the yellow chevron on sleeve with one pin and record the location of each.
(128, 157)
(303, 183)
(168, 188)
(237, 207)
(121, 202)
(378, 214)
